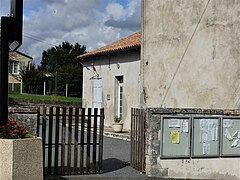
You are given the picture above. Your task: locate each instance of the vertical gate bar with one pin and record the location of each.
(144, 140)
(56, 142)
(76, 141)
(95, 140)
(69, 140)
(101, 140)
(140, 140)
(137, 139)
(134, 140)
(50, 131)
(44, 119)
(82, 141)
(88, 140)
(63, 141)
(38, 121)
(131, 138)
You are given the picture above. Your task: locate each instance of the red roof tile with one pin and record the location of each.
(129, 42)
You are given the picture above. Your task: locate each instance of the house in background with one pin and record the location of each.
(17, 61)
(111, 78)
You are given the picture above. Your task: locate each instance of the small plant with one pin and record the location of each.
(13, 130)
(117, 119)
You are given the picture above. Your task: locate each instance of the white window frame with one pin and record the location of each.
(13, 65)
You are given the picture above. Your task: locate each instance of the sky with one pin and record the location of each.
(92, 23)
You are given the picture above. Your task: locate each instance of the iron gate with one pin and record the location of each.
(72, 140)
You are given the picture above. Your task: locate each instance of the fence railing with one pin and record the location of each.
(72, 140)
(138, 119)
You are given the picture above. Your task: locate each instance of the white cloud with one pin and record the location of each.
(115, 10)
(92, 23)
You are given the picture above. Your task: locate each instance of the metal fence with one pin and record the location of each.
(72, 140)
(138, 119)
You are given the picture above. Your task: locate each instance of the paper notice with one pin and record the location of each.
(175, 137)
(236, 143)
(174, 123)
(204, 137)
(206, 148)
(235, 134)
(185, 126)
(228, 135)
(227, 123)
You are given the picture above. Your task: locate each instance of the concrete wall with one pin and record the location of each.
(106, 66)
(187, 168)
(21, 159)
(190, 53)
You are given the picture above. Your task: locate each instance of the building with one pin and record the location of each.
(191, 50)
(190, 59)
(111, 78)
(17, 61)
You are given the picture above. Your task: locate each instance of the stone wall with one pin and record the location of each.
(26, 117)
(195, 168)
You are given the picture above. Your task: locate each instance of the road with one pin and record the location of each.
(115, 155)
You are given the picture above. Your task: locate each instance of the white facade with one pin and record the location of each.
(102, 88)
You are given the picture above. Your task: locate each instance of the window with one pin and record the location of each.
(13, 67)
(119, 95)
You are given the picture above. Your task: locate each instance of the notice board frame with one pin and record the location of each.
(182, 155)
(195, 139)
(223, 139)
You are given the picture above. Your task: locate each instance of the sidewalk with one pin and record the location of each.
(108, 131)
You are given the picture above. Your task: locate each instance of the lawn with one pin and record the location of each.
(47, 98)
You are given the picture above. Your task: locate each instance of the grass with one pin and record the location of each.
(46, 98)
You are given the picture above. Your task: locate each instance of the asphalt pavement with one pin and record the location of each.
(116, 157)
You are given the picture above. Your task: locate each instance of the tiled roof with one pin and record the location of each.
(130, 42)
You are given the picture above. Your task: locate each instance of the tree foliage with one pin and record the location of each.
(32, 79)
(62, 63)
(61, 55)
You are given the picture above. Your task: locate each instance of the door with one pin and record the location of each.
(97, 93)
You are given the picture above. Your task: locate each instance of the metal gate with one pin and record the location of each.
(72, 140)
(137, 159)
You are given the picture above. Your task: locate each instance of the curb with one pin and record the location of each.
(117, 136)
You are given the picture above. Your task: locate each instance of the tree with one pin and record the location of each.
(32, 79)
(61, 61)
(71, 75)
(61, 55)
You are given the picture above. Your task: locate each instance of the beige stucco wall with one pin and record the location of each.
(191, 54)
(129, 68)
(191, 58)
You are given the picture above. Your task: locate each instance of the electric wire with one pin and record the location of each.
(181, 60)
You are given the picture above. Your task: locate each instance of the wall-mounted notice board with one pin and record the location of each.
(230, 136)
(206, 136)
(175, 136)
